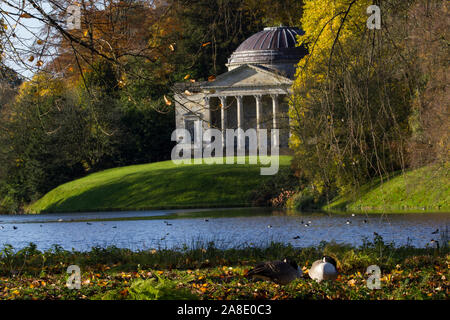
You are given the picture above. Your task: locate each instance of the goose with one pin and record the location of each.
(435, 242)
(280, 272)
(324, 269)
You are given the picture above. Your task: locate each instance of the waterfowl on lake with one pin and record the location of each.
(296, 237)
(14, 227)
(325, 269)
(365, 221)
(348, 222)
(88, 223)
(435, 242)
(435, 232)
(280, 272)
(269, 226)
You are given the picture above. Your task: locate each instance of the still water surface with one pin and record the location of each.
(226, 227)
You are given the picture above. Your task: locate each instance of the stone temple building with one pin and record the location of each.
(253, 93)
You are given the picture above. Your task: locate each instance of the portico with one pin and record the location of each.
(252, 94)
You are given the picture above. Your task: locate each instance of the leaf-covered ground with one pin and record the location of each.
(406, 273)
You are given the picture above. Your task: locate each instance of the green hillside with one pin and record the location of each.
(424, 189)
(156, 185)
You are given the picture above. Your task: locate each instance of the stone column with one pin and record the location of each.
(240, 121)
(223, 114)
(207, 113)
(258, 99)
(275, 113)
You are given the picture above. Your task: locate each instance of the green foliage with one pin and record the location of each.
(303, 200)
(160, 289)
(209, 32)
(44, 141)
(268, 189)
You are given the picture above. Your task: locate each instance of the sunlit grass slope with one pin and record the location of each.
(157, 185)
(424, 189)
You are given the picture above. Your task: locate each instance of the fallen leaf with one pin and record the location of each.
(167, 101)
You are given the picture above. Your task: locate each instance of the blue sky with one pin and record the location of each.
(24, 40)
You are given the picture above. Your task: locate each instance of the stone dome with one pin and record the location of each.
(274, 47)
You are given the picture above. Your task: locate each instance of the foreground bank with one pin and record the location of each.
(209, 273)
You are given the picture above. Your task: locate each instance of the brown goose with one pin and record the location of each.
(280, 272)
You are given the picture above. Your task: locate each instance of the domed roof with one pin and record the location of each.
(271, 46)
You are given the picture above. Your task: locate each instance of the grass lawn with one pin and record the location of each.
(155, 186)
(424, 189)
(209, 273)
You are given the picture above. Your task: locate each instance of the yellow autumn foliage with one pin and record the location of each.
(322, 22)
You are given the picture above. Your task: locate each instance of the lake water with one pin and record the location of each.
(226, 227)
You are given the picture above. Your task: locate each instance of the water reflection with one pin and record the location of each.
(226, 227)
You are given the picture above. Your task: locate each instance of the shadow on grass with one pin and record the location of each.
(167, 188)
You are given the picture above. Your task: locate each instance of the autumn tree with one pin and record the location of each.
(429, 36)
(352, 94)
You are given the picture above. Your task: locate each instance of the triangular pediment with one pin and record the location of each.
(248, 76)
